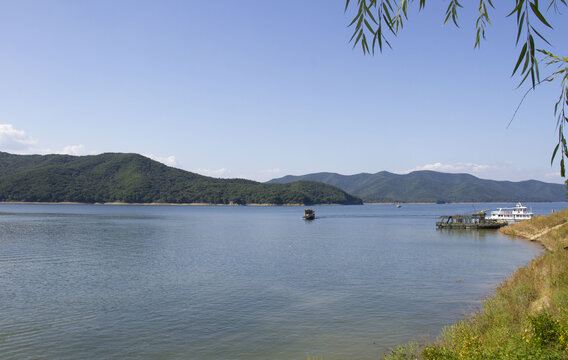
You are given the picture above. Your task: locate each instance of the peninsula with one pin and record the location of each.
(133, 178)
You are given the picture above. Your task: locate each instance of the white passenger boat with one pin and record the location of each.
(511, 215)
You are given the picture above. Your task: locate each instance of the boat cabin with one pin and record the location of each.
(309, 214)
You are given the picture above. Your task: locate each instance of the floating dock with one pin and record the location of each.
(476, 221)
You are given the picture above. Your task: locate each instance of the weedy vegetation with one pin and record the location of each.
(527, 316)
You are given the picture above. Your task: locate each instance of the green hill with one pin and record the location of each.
(431, 186)
(133, 178)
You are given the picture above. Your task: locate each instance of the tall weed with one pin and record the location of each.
(526, 318)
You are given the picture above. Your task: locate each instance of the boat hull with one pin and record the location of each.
(483, 226)
(476, 221)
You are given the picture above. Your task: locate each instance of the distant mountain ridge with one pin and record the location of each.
(133, 178)
(432, 186)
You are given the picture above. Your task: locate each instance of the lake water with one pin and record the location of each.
(200, 282)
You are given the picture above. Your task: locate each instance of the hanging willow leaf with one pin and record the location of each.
(377, 18)
(535, 10)
(554, 153)
(540, 36)
(517, 8)
(521, 57)
(520, 25)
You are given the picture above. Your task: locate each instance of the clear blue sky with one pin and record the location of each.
(262, 89)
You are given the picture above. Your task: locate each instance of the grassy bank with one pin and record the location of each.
(526, 317)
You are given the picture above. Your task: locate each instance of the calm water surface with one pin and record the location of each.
(167, 282)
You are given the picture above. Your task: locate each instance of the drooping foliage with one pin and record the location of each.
(375, 20)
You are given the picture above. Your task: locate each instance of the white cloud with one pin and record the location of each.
(455, 168)
(17, 141)
(13, 140)
(214, 173)
(505, 171)
(168, 160)
(73, 150)
(552, 175)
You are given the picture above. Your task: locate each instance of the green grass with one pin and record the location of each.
(526, 318)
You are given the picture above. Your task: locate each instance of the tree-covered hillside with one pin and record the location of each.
(431, 186)
(132, 178)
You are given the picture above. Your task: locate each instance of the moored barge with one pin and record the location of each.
(476, 221)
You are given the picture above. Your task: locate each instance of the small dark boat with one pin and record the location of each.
(309, 214)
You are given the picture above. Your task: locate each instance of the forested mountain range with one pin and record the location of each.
(432, 186)
(133, 178)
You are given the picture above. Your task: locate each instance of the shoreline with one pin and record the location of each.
(524, 317)
(118, 203)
